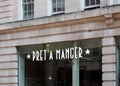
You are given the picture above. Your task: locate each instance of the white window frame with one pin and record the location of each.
(91, 6)
(32, 10)
(62, 6)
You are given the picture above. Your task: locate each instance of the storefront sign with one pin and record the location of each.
(58, 54)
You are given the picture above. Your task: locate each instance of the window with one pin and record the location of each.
(92, 3)
(58, 6)
(117, 61)
(62, 70)
(28, 9)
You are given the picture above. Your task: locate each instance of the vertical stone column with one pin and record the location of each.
(108, 61)
(8, 66)
(75, 69)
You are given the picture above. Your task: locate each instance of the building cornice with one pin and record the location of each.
(100, 14)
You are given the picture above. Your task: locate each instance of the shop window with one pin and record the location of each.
(61, 72)
(58, 6)
(91, 65)
(92, 4)
(118, 61)
(28, 9)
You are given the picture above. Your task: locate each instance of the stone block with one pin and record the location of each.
(108, 76)
(9, 72)
(8, 65)
(8, 80)
(108, 50)
(108, 67)
(108, 41)
(108, 59)
(111, 83)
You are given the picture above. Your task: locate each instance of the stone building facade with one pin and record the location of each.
(77, 24)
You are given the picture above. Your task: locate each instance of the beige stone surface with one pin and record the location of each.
(8, 80)
(112, 83)
(109, 59)
(108, 41)
(11, 50)
(16, 10)
(108, 50)
(9, 65)
(40, 9)
(6, 8)
(108, 67)
(103, 3)
(5, 2)
(73, 5)
(5, 11)
(5, 14)
(8, 58)
(109, 76)
(8, 73)
(9, 84)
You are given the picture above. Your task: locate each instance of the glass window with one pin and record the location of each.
(118, 61)
(92, 3)
(91, 64)
(28, 9)
(58, 6)
(63, 71)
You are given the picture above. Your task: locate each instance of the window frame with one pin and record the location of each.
(27, 3)
(62, 7)
(92, 6)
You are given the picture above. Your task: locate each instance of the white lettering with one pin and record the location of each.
(62, 56)
(51, 56)
(71, 53)
(57, 54)
(76, 52)
(41, 58)
(45, 52)
(80, 52)
(67, 53)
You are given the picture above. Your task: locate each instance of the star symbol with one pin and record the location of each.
(87, 51)
(28, 56)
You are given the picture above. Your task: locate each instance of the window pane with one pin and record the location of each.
(29, 7)
(63, 6)
(86, 2)
(25, 15)
(62, 72)
(24, 1)
(59, 7)
(91, 66)
(28, 0)
(92, 2)
(53, 1)
(32, 13)
(118, 60)
(29, 12)
(32, 6)
(59, 1)
(25, 7)
(62, 0)
(54, 8)
(98, 1)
